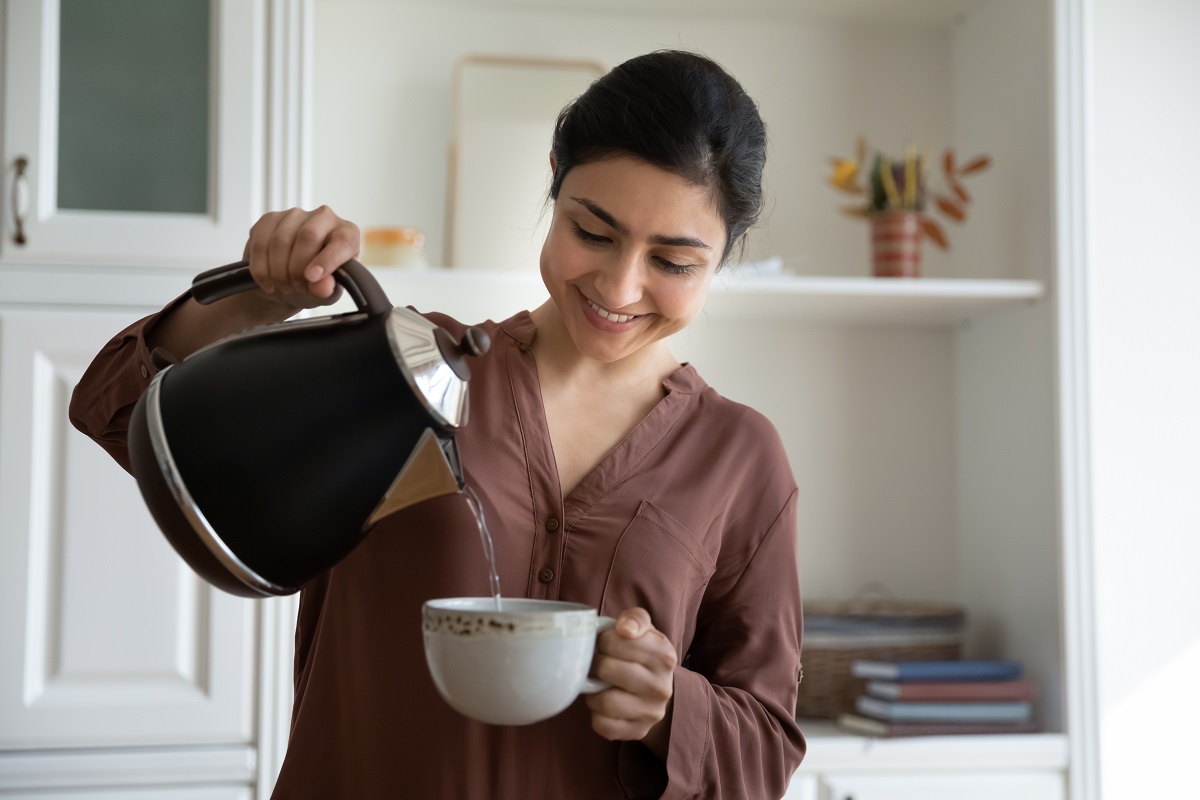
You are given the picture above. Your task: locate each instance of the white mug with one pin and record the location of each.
(521, 664)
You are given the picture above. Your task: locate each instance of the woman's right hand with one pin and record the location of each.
(293, 255)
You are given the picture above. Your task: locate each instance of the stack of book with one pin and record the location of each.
(931, 698)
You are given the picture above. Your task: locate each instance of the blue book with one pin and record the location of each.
(950, 711)
(934, 671)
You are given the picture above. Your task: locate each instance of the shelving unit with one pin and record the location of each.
(919, 415)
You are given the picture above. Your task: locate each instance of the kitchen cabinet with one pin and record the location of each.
(133, 131)
(110, 640)
(122, 675)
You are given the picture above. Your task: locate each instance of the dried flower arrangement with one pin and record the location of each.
(903, 185)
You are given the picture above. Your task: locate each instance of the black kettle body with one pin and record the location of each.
(265, 457)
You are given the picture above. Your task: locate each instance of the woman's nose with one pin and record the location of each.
(620, 283)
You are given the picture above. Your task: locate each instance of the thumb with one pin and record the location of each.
(633, 622)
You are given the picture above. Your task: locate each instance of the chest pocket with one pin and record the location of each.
(660, 566)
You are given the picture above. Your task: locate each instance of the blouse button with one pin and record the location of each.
(546, 575)
(145, 372)
(552, 524)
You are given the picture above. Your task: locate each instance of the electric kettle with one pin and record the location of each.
(266, 457)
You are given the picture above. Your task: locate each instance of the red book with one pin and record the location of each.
(979, 690)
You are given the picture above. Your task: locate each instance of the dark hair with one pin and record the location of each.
(681, 112)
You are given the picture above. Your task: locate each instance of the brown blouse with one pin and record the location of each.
(692, 516)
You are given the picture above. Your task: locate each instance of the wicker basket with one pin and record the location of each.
(878, 630)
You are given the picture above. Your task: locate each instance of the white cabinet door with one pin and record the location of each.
(107, 637)
(962, 786)
(133, 131)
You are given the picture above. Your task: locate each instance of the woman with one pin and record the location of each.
(610, 473)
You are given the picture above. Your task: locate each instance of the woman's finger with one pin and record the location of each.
(257, 252)
(339, 246)
(619, 730)
(294, 254)
(633, 622)
(623, 705)
(618, 714)
(629, 714)
(635, 678)
(651, 648)
(283, 246)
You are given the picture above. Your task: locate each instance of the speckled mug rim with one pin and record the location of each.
(474, 616)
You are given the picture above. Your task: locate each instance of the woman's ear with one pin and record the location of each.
(553, 163)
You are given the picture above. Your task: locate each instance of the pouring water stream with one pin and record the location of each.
(485, 537)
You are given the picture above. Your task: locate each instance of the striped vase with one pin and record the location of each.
(896, 244)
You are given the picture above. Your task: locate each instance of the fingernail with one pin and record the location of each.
(314, 273)
(630, 627)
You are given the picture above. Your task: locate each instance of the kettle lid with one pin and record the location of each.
(435, 366)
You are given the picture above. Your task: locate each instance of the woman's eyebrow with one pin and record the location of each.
(605, 217)
(611, 221)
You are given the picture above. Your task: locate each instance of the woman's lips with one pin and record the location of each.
(606, 320)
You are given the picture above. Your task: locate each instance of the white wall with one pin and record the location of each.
(382, 105)
(1145, 369)
(866, 416)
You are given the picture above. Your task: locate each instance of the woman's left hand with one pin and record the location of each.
(638, 661)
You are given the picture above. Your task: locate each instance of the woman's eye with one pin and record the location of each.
(673, 268)
(596, 239)
(588, 236)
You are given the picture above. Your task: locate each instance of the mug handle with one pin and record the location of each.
(594, 685)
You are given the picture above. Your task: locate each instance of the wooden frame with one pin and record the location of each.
(453, 252)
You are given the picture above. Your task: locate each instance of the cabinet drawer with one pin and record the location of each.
(143, 793)
(976, 786)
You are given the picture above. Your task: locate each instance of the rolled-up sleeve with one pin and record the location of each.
(733, 727)
(103, 400)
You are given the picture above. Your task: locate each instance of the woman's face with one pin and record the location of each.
(630, 254)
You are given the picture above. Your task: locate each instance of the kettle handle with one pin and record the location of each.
(221, 282)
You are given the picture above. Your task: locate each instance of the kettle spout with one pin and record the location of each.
(432, 470)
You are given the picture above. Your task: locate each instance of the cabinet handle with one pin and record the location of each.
(20, 199)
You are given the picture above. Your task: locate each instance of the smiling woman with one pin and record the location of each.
(611, 475)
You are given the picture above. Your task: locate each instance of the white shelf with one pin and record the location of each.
(831, 749)
(475, 295)
(867, 301)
